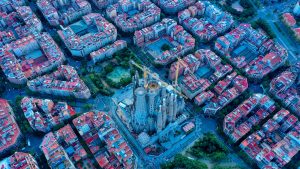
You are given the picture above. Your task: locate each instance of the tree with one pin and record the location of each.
(162, 16)
(261, 23)
(181, 161)
(245, 3)
(165, 47)
(19, 99)
(125, 64)
(125, 81)
(226, 167)
(88, 107)
(209, 146)
(218, 156)
(2, 88)
(109, 68)
(2, 84)
(19, 115)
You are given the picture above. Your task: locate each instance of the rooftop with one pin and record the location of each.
(9, 130)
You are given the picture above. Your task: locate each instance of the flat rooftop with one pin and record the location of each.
(204, 72)
(81, 28)
(154, 47)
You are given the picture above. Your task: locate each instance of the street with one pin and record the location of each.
(271, 18)
(203, 125)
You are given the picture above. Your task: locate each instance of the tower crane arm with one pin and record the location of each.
(144, 69)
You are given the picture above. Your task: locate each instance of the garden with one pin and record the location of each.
(105, 77)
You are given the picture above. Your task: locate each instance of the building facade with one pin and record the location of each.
(154, 105)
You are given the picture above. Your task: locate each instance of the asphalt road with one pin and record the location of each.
(203, 125)
(271, 18)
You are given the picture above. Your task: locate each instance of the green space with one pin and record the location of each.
(226, 167)
(119, 76)
(20, 117)
(159, 46)
(165, 47)
(209, 147)
(87, 107)
(96, 85)
(181, 161)
(207, 152)
(243, 15)
(93, 88)
(105, 77)
(263, 24)
(2, 84)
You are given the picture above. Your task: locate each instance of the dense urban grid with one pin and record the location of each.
(149, 84)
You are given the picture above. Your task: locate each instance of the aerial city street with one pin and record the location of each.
(149, 84)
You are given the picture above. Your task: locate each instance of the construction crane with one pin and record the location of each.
(146, 71)
(179, 61)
